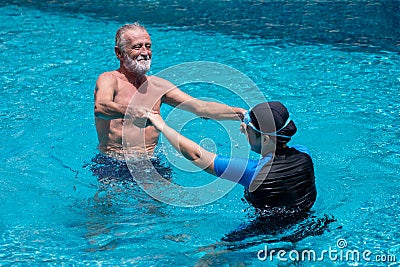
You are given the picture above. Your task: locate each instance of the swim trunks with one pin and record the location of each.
(108, 169)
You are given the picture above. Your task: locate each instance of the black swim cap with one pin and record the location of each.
(271, 117)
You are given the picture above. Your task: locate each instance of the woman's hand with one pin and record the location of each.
(157, 121)
(138, 116)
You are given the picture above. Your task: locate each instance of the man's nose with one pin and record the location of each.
(144, 50)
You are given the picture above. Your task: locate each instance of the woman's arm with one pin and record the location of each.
(189, 149)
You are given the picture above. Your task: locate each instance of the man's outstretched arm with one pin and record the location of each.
(177, 98)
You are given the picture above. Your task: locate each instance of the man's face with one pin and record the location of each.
(137, 54)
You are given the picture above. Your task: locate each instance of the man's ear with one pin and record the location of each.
(118, 52)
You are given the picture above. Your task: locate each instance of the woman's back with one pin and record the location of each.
(287, 181)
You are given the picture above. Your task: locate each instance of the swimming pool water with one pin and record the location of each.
(342, 93)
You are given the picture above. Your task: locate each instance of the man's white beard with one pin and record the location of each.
(140, 65)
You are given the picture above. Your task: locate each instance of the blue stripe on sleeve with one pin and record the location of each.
(238, 170)
(302, 148)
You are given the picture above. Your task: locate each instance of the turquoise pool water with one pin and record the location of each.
(339, 80)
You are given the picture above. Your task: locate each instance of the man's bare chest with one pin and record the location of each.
(146, 95)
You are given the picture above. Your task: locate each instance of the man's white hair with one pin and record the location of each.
(120, 41)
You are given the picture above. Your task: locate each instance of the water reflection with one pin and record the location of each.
(367, 24)
(281, 233)
(277, 229)
(120, 212)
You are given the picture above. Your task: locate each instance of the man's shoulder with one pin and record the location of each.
(106, 80)
(157, 80)
(160, 83)
(108, 75)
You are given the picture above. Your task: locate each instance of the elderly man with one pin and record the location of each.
(128, 90)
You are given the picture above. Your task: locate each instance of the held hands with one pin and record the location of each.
(156, 120)
(138, 115)
(142, 117)
(240, 113)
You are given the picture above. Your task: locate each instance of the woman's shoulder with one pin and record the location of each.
(302, 149)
